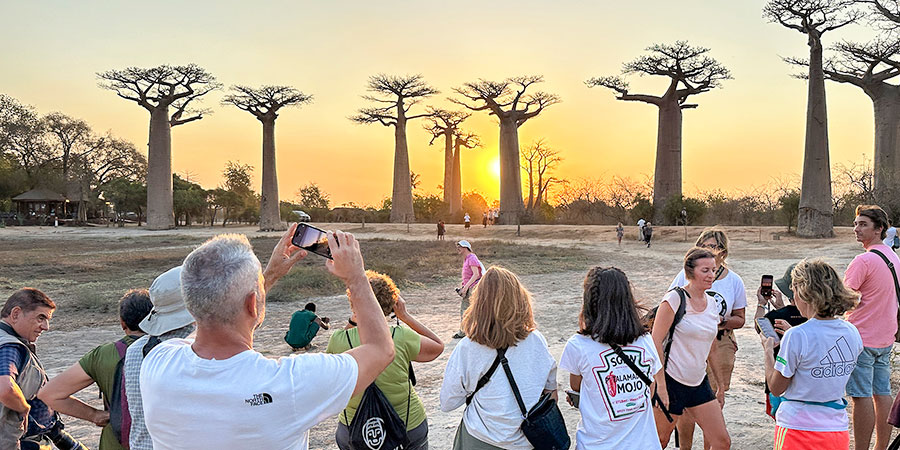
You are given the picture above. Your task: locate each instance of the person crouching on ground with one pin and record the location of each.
(472, 272)
(304, 326)
(609, 317)
(500, 317)
(218, 392)
(416, 343)
(814, 363)
(99, 366)
(683, 384)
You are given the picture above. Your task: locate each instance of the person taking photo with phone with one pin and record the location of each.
(808, 377)
(616, 413)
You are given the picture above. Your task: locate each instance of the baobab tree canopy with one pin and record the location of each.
(394, 96)
(157, 89)
(513, 107)
(444, 123)
(691, 71)
(264, 103)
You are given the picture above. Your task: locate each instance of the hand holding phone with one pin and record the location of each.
(573, 397)
(767, 330)
(766, 286)
(312, 239)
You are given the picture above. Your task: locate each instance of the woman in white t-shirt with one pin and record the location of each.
(731, 297)
(683, 384)
(814, 362)
(616, 411)
(500, 316)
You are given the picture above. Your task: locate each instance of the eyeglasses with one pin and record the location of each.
(712, 247)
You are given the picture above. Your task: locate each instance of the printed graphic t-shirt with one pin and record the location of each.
(246, 401)
(876, 315)
(100, 364)
(818, 356)
(615, 403)
(728, 292)
(692, 340)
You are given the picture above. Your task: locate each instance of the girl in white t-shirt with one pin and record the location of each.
(616, 411)
(814, 362)
(683, 383)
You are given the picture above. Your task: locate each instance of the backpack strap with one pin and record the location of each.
(640, 373)
(487, 375)
(151, 343)
(512, 382)
(893, 272)
(679, 314)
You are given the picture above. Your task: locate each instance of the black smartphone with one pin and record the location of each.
(766, 285)
(574, 397)
(312, 239)
(766, 328)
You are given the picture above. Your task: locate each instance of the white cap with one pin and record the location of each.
(465, 243)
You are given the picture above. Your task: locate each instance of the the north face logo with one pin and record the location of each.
(373, 433)
(259, 399)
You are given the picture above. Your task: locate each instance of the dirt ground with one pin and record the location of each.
(557, 301)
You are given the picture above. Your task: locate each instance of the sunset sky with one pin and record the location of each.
(744, 135)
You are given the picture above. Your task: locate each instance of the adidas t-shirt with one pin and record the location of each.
(818, 356)
(247, 401)
(728, 292)
(615, 403)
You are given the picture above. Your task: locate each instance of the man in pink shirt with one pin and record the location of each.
(876, 319)
(472, 271)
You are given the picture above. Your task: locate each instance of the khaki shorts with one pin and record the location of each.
(724, 361)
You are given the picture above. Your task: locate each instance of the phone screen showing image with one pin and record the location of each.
(766, 328)
(312, 239)
(766, 286)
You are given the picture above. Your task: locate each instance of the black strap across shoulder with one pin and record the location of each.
(410, 378)
(501, 352)
(893, 272)
(679, 314)
(512, 384)
(643, 376)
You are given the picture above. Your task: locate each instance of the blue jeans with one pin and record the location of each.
(872, 375)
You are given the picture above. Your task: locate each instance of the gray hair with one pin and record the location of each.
(217, 276)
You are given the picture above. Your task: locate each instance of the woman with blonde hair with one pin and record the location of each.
(416, 343)
(808, 377)
(499, 318)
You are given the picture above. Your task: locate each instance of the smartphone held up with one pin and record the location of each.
(312, 239)
(766, 286)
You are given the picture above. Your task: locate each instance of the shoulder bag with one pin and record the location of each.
(543, 425)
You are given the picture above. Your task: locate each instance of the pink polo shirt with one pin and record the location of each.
(468, 269)
(876, 315)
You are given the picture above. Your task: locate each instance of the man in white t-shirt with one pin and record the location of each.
(217, 391)
(640, 223)
(889, 235)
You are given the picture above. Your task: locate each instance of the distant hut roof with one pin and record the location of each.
(39, 195)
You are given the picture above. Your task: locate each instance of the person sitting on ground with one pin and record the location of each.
(304, 326)
(26, 422)
(217, 391)
(100, 366)
(814, 363)
(612, 416)
(416, 343)
(683, 384)
(500, 317)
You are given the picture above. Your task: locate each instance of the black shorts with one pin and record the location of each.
(681, 396)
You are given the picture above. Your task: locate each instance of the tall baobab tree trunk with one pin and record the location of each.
(456, 181)
(269, 211)
(667, 175)
(510, 172)
(160, 211)
(401, 195)
(816, 207)
(448, 166)
(886, 164)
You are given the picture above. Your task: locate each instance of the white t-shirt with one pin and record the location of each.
(818, 356)
(692, 340)
(728, 292)
(889, 236)
(246, 401)
(615, 404)
(494, 416)
(641, 223)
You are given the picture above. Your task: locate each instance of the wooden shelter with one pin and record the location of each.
(40, 202)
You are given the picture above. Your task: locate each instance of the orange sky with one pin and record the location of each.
(742, 136)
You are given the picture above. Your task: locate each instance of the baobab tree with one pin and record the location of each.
(814, 18)
(158, 89)
(691, 71)
(461, 139)
(513, 107)
(444, 124)
(394, 96)
(538, 161)
(264, 103)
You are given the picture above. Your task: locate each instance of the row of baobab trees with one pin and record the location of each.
(169, 92)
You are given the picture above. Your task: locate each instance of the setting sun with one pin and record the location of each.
(495, 167)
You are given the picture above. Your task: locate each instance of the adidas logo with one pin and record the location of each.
(259, 399)
(839, 361)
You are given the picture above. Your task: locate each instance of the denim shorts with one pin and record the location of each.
(872, 375)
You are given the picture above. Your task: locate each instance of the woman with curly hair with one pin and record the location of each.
(499, 318)
(808, 377)
(416, 343)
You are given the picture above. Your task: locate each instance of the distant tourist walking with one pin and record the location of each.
(808, 376)
(614, 414)
(891, 239)
(500, 319)
(876, 319)
(441, 229)
(472, 271)
(648, 233)
(640, 223)
(467, 220)
(416, 343)
(620, 231)
(484, 219)
(304, 326)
